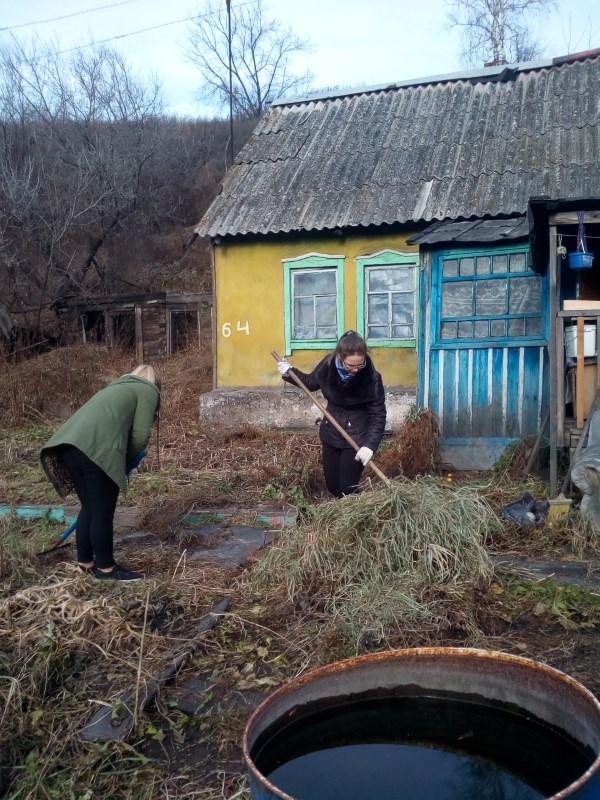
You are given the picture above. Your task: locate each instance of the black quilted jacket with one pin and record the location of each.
(358, 404)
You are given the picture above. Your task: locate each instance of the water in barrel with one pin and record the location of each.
(418, 748)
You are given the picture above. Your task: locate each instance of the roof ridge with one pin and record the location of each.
(493, 74)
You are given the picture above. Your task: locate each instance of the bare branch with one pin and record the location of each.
(261, 51)
(497, 31)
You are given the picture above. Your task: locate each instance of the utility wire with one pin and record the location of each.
(126, 35)
(133, 33)
(67, 16)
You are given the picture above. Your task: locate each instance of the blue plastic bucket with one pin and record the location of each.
(580, 260)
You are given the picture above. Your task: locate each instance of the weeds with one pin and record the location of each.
(411, 450)
(398, 567)
(573, 607)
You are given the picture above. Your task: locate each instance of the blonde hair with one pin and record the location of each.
(146, 372)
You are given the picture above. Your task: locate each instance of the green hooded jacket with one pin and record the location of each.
(111, 429)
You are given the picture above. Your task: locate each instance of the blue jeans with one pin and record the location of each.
(98, 496)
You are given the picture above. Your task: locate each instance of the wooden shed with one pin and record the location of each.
(156, 324)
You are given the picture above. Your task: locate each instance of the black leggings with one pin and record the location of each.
(98, 497)
(341, 469)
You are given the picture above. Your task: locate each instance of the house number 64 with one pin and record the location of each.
(226, 329)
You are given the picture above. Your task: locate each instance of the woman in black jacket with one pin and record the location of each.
(356, 399)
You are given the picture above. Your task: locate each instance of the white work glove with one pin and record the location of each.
(284, 367)
(365, 454)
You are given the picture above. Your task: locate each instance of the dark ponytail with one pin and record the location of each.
(351, 344)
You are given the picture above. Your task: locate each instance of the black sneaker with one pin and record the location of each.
(119, 573)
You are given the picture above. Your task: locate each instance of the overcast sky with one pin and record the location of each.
(354, 42)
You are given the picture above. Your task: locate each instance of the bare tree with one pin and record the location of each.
(76, 140)
(98, 190)
(261, 57)
(497, 31)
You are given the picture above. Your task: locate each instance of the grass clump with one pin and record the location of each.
(412, 449)
(389, 559)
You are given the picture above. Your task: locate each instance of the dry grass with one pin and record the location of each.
(390, 559)
(412, 448)
(58, 381)
(69, 644)
(395, 567)
(63, 379)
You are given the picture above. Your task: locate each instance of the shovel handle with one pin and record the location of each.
(333, 421)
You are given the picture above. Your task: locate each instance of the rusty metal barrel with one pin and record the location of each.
(483, 682)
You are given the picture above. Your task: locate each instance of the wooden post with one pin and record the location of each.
(555, 412)
(139, 335)
(560, 381)
(580, 381)
(597, 353)
(169, 330)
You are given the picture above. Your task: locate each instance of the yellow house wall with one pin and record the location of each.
(249, 303)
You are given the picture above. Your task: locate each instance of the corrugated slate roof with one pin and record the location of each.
(473, 231)
(476, 145)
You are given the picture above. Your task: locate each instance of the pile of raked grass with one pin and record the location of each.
(405, 558)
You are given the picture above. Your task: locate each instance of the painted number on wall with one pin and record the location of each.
(227, 329)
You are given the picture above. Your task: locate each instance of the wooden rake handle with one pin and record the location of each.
(333, 421)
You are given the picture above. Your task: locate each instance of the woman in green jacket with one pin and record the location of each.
(92, 454)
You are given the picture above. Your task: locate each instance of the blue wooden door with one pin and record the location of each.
(484, 352)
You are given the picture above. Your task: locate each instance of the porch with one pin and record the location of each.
(574, 338)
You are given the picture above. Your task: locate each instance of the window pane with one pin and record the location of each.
(403, 332)
(467, 266)
(314, 282)
(325, 317)
(501, 263)
(506, 305)
(482, 329)
(451, 268)
(518, 262)
(525, 295)
(314, 304)
(402, 308)
(465, 330)
(490, 297)
(325, 332)
(516, 327)
(304, 318)
(483, 265)
(390, 302)
(377, 332)
(403, 316)
(378, 309)
(457, 299)
(395, 278)
(533, 326)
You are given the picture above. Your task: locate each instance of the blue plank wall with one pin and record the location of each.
(490, 390)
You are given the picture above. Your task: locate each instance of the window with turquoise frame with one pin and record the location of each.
(489, 295)
(387, 298)
(313, 296)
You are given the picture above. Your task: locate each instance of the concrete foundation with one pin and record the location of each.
(285, 406)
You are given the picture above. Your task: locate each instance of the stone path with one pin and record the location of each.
(580, 573)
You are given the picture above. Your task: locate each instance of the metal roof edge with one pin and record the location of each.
(466, 75)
